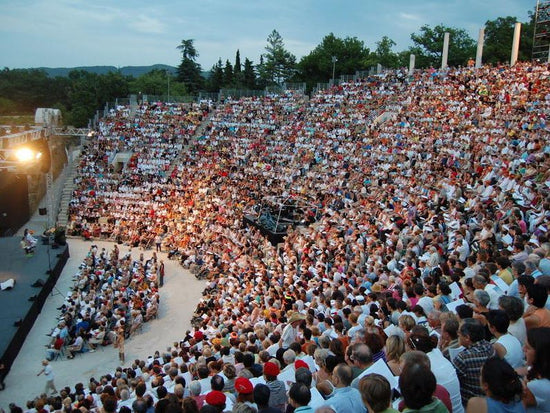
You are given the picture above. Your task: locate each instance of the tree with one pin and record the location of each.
(350, 53)
(189, 71)
(498, 40)
(249, 75)
(279, 64)
(155, 83)
(384, 53)
(237, 70)
(228, 74)
(428, 46)
(215, 81)
(188, 50)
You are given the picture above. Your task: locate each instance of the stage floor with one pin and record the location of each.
(25, 271)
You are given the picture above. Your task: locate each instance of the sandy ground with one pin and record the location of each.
(179, 297)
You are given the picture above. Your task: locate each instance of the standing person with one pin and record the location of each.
(48, 372)
(158, 242)
(119, 343)
(160, 273)
(3, 373)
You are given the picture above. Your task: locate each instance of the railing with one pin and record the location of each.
(14, 139)
(240, 93)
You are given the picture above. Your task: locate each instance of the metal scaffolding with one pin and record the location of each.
(541, 36)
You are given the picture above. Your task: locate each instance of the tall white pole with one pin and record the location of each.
(515, 44)
(445, 50)
(412, 59)
(479, 53)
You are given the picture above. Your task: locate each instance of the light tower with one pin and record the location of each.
(541, 36)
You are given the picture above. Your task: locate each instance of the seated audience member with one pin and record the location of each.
(261, 397)
(514, 308)
(376, 393)
(506, 345)
(299, 397)
(344, 398)
(503, 389)
(537, 356)
(417, 385)
(536, 315)
(469, 361)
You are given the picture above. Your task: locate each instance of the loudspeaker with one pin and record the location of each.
(38, 283)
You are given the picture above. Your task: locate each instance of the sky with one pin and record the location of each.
(69, 33)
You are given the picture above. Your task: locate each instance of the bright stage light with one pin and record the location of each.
(26, 155)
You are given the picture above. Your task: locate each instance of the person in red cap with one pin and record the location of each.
(217, 399)
(245, 391)
(198, 336)
(277, 395)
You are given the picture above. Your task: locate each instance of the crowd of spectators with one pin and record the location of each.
(416, 276)
(112, 295)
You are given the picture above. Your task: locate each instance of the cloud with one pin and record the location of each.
(147, 25)
(123, 32)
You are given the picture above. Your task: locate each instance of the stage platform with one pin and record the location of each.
(14, 303)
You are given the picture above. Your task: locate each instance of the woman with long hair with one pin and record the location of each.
(537, 355)
(503, 388)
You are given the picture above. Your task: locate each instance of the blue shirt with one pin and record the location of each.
(345, 400)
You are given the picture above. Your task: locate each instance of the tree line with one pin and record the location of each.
(80, 94)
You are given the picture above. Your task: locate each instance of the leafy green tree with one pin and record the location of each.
(187, 49)
(384, 53)
(215, 81)
(154, 82)
(84, 97)
(228, 74)
(278, 64)
(249, 75)
(350, 53)
(28, 89)
(189, 71)
(428, 46)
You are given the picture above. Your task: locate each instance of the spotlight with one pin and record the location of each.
(26, 154)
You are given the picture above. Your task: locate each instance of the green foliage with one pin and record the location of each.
(7, 106)
(384, 54)
(215, 81)
(82, 92)
(428, 46)
(350, 53)
(249, 75)
(153, 83)
(278, 64)
(189, 71)
(228, 74)
(28, 89)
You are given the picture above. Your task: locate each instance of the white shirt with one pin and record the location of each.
(514, 352)
(445, 375)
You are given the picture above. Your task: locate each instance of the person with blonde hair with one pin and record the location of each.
(395, 347)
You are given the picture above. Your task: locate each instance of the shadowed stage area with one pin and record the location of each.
(15, 304)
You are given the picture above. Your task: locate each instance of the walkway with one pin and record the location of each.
(179, 297)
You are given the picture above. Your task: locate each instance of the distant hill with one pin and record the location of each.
(101, 70)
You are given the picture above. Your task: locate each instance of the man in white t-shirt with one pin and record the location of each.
(48, 372)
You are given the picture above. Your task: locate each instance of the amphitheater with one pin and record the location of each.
(294, 204)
